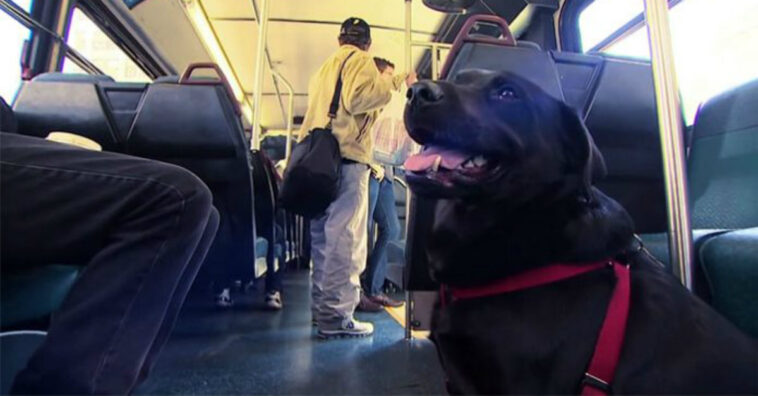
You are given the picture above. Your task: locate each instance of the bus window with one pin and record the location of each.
(714, 43)
(89, 40)
(13, 34)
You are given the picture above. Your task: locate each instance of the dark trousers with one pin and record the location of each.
(141, 230)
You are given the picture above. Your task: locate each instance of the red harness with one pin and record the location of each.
(608, 346)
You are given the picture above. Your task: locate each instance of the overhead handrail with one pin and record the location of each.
(22, 17)
(186, 79)
(258, 74)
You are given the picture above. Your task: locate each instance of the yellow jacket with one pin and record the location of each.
(364, 92)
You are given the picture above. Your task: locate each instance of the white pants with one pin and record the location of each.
(338, 249)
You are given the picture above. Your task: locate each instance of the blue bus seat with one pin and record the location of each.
(33, 294)
(729, 262)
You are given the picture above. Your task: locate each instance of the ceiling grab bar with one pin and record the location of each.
(290, 110)
(672, 142)
(260, 58)
(271, 67)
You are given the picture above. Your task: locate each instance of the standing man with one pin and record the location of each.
(339, 237)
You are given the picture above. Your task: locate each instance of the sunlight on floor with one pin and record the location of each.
(399, 315)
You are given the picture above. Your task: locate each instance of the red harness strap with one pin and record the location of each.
(607, 352)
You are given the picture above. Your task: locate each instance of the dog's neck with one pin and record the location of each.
(474, 244)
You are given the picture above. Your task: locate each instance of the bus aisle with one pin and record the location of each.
(247, 350)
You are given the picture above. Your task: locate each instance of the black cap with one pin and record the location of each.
(355, 28)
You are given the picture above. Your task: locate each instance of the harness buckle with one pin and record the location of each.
(597, 383)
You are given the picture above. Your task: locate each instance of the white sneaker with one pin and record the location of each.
(349, 328)
(274, 300)
(224, 299)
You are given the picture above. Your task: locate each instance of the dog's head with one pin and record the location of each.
(513, 168)
(497, 137)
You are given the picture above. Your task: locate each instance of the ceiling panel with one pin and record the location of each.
(297, 49)
(385, 13)
(230, 8)
(164, 22)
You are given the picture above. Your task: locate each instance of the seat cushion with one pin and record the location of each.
(17, 347)
(34, 294)
(730, 264)
(658, 244)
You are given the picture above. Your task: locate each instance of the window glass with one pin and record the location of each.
(13, 35)
(90, 41)
(714, 46)
(603, 17)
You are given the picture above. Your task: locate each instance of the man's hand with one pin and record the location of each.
(411, 78)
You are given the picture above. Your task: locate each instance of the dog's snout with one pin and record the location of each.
(424, 92)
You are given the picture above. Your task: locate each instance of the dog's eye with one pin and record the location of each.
(506, 93)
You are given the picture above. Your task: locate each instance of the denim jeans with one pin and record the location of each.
(384, 213)
(140, 228)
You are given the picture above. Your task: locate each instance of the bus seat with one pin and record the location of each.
(266, 193)
(27, 295)
(196, 127)
(623, 120)
(528, 62)
(33, 294)
(72, 78)
(730, 264)
(8, 121)
(722, 173)
(172, 79)
(68, 103)
(17, 348)
(617, 99)
(121, 102)
(723, 162)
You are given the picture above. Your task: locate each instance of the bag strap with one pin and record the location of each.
(335, 105)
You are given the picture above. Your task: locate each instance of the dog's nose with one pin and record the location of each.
(424, 92)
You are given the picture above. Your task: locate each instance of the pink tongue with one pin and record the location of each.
(450, 159)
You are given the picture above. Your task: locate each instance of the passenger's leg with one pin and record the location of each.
(318, 259)
(274, 276)
(345, 252)
(373, 193)
(177, 300)
(135, 223)
(388, 224)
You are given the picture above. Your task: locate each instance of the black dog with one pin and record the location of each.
(514, 169)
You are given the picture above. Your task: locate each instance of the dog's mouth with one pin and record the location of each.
(440, 171)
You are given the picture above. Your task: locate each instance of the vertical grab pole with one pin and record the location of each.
(260, 57)
(671, 134)
(409, 68)
(290, 112)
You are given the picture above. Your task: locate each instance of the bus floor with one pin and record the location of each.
(247, 350)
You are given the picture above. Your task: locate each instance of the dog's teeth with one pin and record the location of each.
(437, 162)
(480, 160)
(467, 164)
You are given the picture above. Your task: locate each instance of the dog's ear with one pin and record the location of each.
(582, 152)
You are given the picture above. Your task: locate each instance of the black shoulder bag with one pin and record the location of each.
(312, 177)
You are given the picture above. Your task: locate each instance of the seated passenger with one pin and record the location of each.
(141, 228)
